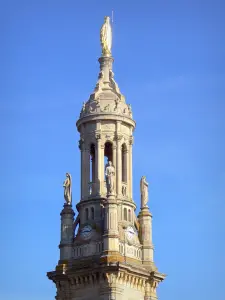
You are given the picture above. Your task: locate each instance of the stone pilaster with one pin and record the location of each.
(99, 167)
(102, 171)
(115, 165)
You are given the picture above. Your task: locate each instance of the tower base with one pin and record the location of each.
(111, 281)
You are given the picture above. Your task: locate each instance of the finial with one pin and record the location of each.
(106, 37)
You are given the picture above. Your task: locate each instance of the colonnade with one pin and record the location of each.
(121, 159)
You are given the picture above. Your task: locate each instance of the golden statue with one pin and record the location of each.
(106, 37)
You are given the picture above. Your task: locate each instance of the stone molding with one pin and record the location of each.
(105, 116)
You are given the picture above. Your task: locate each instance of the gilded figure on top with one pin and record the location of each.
(106, 37)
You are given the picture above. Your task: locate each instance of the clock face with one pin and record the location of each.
(130, 233)
(86, 232)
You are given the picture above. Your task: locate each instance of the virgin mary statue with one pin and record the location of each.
(106, 37)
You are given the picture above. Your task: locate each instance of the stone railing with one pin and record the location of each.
(87, 250)
(130, 251)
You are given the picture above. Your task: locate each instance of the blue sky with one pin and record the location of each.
(170, 64)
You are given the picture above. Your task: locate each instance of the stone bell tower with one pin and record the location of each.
(107, 251)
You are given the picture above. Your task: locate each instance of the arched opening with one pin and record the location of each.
(124, 162)
(108, 153)
(92, 163)
(92, 213)
(125, 214)
(129, 215)
(86, 214)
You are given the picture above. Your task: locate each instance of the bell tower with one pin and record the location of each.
(107, 251)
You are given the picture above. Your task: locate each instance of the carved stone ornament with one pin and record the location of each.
(98, 136)
(83, 106)
(118, 137)
(129, 110)
(113, 83)
(99, 83)
(97, 106)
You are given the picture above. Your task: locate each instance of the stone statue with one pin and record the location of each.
(144, 192)
(67, 184)
(106, 37)
(110, 176)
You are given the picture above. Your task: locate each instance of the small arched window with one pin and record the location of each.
(129, 215)
(92, 213)
(86, 214)
(125, 214)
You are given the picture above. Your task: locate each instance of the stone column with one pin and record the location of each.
(115, 166)
(102, 171)
(119, 166)
(66, 242)
(98, 165)
(86, 167)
